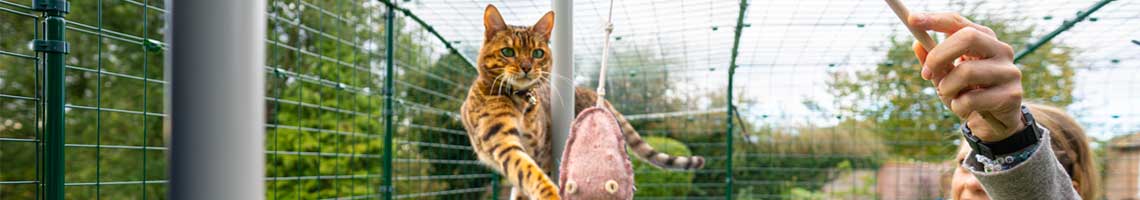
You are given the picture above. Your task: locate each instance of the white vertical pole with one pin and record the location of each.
(562, 105)
(215, 99)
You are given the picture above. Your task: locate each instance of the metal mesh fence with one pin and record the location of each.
(114, 86)
(19, 138)
(329, 65)
(363, 96)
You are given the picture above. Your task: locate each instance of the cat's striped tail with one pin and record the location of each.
(646, 152)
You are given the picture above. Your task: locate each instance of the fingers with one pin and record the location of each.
(973, 72)
(920, 52)
(975, 75)
(1003, 102)
(993, 99)
(948, 23)
(967, 42)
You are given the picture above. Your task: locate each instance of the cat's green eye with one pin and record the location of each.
(508, 52)
(538, 53)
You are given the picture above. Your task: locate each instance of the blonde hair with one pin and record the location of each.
(1071, 146)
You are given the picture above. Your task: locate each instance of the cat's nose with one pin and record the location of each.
(525, 67)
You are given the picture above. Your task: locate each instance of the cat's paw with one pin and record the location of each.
(547, 191)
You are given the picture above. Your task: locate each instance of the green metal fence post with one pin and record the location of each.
(1081, 15)
(728, 180)
(54, 49)
(389, 92)
(494, 186)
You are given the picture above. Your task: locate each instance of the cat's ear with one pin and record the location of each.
(493, 22)
(544, 25)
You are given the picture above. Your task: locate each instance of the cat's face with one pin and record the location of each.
(515, 57)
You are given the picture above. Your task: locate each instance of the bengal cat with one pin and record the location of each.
(506, 112)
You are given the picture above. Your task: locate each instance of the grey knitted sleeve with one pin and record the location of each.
(1039, 177)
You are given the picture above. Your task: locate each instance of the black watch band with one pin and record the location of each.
(1018, 141)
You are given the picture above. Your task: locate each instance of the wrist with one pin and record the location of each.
(1018, 125)
(1026, 136)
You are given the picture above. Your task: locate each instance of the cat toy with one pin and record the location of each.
(928, 44)
(595, 164)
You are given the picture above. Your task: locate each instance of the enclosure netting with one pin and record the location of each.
(826, 94)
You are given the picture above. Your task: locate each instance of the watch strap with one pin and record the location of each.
(1014, 143)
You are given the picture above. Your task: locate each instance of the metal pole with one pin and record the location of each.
(54, 49)
(389, 91)
(562, 105)
(215, 99)
(728, 180)
(1064, 27)
(495, 186)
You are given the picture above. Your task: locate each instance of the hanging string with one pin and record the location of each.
(609, 29)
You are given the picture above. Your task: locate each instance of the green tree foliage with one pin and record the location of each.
(905, 109)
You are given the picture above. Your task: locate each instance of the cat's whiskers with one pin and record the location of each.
(557, 76)
(505, 82)
(499, 88)
(496, 82)
(556, 94)
(501, 83)
(493, 81)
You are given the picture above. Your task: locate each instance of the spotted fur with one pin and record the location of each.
(506, 112)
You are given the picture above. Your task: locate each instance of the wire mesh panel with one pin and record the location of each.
(328, 68)
(433, 157)
(20, 75)
(113, 86)
(323, 117)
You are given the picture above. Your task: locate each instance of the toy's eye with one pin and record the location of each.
(571, 187)
(508, 52)
(538, 53)
(611, 186)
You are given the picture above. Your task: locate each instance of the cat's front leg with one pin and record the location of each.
(500, 137)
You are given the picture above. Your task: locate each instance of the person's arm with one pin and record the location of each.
(974, 73)
(1034, 173)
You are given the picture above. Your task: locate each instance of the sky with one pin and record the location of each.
(788, 48)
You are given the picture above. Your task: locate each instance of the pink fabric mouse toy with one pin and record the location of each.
(594, 163)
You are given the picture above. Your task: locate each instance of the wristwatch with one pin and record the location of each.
(1023, 138)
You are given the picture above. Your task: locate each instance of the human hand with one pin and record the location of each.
(973, 72)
